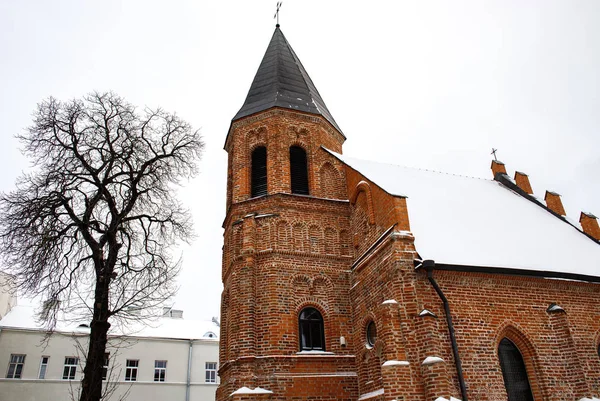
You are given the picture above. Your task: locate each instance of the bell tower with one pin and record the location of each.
(285, 311)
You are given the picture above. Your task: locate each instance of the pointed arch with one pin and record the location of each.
(299, 235)
(331, 246)
(517, 337)
(315, 239)
(283, 241)
(364, 186)
(330, 180)
(264, 235)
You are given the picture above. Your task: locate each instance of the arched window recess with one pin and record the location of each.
(514, 372)
(259, 172)
(312, 330)
(298, 171)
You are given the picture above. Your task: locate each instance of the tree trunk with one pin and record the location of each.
(91, 385)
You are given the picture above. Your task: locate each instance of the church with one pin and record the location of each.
(353, 280)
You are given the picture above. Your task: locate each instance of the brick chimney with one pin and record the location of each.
(589, 223)
(498, 167)
(554, 203)
(522, 181)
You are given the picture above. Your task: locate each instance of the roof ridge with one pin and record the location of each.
(411, 167)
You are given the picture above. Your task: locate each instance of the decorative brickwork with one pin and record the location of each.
(352, 258)
(346, 250)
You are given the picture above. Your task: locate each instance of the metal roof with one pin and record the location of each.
(282, 81)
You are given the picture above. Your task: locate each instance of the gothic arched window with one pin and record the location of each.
(298, 170)
(514, 372)
(259, 172)
(312, 330)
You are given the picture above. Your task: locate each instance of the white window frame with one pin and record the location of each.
(43, 367)
(15, 361)
(105, 363)
(210, 372)
(70, 368)
(131, 370)
(160, 369)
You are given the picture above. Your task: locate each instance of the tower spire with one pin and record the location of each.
(282, 81)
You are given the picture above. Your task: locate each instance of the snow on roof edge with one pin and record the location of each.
(505, 232)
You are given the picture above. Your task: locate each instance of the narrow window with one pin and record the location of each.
(259, 172)
(131, 370)
(105, 365)
(371, 333)
(298, 170)
(514, 372)
(312, 333)
(211, 372)
(15, 366)
(43, 367)
(70, 368)
(160, 371)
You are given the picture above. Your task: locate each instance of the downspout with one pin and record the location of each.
(189, 372)
(429, 265)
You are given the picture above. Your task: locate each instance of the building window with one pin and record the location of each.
(514, 372)
(105, 365)
(312, 333)
(160, 371)
(15, 366)
(298, 170)
(131, 370)
(259, 172)
(371, 333)
(70, 368)
(211, 372)
(43, 367)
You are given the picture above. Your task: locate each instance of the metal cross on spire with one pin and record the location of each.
(277, 13)
(494, 153)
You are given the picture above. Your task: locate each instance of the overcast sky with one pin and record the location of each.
(432, 84)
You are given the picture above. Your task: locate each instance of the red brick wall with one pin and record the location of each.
(560, 350)
(283, 252)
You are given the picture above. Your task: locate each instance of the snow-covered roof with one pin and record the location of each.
(467, 221)
(23, 317)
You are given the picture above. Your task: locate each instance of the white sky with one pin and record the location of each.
(431, 84)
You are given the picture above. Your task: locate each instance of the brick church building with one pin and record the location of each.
(352, 280)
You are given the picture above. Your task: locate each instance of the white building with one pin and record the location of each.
(7, 299)
(173, 359)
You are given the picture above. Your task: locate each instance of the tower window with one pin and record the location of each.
(298, 170)
(312, 333)
(514, 372)
(259, 172)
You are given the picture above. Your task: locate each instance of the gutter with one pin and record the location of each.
(189, 371)
(429, 265)
(518, 272)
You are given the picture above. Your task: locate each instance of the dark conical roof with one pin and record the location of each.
(282, 81)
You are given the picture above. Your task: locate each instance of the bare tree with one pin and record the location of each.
(93, 224)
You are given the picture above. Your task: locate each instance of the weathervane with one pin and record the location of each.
(277, 13)
(494, 153)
